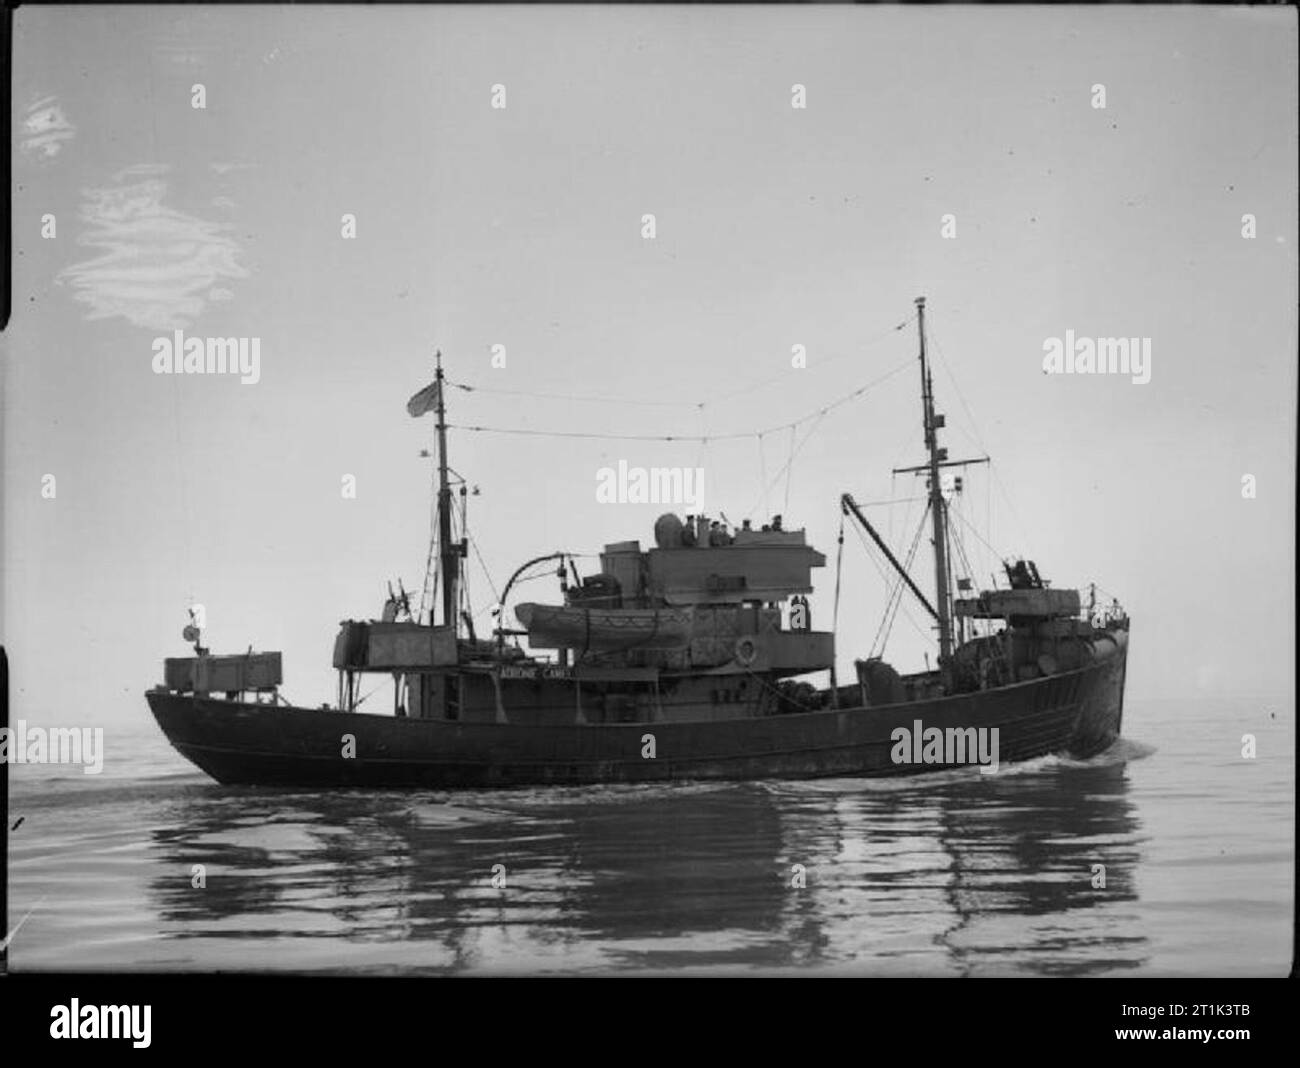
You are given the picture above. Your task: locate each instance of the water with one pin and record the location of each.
(949, 874)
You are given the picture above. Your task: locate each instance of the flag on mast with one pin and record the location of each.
(424, 401)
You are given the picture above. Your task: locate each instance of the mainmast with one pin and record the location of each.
(938, 516)
(448, 552)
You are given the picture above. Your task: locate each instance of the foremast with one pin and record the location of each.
(938, 514)
(448, 551)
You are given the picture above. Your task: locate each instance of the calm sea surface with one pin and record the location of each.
(949, 874)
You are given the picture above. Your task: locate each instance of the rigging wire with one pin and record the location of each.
(1104, 592)
(961, 549)
(541, 395)
(818, 413)
(789, 471)
(462, 591)
(371, 694)
(904, 448)
(187, 505)
(705, 464)
(429, 591)
(967, 524)
(970, 569)
(875, 339)
(703, 439)
(887, 501)
(907, 564)
(702, 455)
(486, 573)
(886, 578)
(807, 437)
(975, 435)
(892, 603)
(988, 508)
(956, 540)
(895, 599)
(952, 378)
(839, 564)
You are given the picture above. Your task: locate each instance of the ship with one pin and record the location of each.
(684, 660)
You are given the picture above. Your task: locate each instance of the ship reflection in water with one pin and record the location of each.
(967, 874)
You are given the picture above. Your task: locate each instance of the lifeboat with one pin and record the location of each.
(605, 629)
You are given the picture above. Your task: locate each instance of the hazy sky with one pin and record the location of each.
(775, 226)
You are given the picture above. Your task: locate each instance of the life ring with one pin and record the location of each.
(746, 651)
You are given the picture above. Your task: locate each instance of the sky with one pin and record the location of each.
(523, 226)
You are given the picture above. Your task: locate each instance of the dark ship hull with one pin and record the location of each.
(1075, 713)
